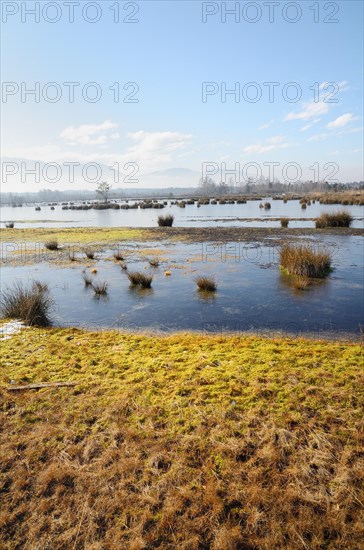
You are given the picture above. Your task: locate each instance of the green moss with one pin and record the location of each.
(181, 372)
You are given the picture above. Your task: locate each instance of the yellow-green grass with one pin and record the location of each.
(82, 235)
(187, 441)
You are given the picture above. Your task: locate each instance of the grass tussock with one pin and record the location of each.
(206, 283)
(187, 441)
(31, 304)
(342, 218)
(100, 287)
(284, 222)
(304, 260)
(166, 221)
(51, 245)
(137, 278)
(90, 253)
(267, 206)
(87, 279)
(154, 262)
(119, 256)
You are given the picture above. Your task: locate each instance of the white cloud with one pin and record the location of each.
(150, 150)
(154, 150)
(90, 134)
(274, 143)
(341, 121)
(318, 137)
(343, 86)
(307, 126)
(310, 110)
(264, 126)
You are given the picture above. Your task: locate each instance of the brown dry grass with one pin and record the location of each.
(305, 260)
(343, 218)
(185, 442)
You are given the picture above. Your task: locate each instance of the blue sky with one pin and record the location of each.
(169, 53)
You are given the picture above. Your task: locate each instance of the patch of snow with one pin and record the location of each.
(9, 329)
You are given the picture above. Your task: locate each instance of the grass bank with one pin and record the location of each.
(186, 441)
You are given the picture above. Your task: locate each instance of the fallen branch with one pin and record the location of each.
(41, 385)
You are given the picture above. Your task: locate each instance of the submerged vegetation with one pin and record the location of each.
(343, 218)
(301, 282)
(31, 304)
(304, 260)
(87, 279)
(187, 441)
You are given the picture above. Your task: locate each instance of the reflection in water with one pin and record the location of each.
(206, 295)
(300, 284)
(140, 291)
(101, 297)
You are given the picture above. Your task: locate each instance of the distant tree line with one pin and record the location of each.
(206, 187)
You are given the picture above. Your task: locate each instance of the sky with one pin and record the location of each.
(143, 87)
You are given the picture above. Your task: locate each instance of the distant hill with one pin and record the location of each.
(17, 176)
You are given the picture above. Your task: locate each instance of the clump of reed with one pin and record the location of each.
(9, 225)
(100, 287)
(165, 221)
(342, 218)
(137, 278)
(87, 279)
(206, 284)
(51, 245)
(90, 253)
(30, 304)
(284, 222)
(154, 262)
(118, 256)
(267, 206)
(304, 260)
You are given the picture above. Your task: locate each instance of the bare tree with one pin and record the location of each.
(103, 189)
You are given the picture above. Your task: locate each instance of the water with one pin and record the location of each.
(252, 293)
(233, 215)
